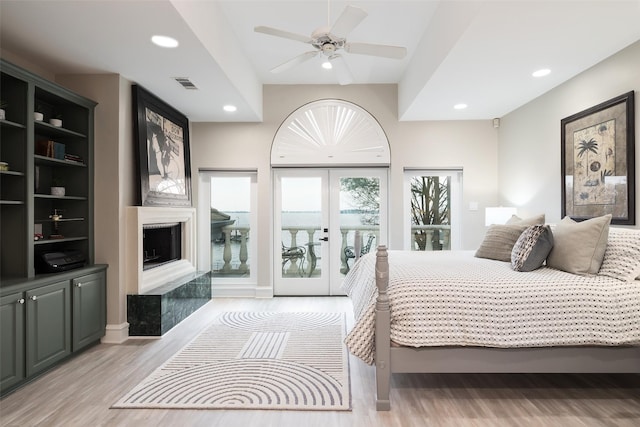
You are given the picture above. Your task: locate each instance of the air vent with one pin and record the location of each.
(186, 83)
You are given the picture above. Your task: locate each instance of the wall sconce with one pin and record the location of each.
(498, 215)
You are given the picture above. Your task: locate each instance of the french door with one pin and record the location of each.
(322, 217)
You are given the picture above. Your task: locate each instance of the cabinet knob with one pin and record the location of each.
(20, 301)
(78, 285)
(34, 297)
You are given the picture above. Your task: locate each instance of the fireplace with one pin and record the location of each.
(161, 243)
(161, 246)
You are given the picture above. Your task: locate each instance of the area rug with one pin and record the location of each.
(255, 360)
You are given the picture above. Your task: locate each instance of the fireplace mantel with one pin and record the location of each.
(140, 281)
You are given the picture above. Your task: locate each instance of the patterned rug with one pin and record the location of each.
(255, 360)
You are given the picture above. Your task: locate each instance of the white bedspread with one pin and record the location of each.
(452, 298)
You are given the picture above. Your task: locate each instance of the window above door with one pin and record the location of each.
(330, 132)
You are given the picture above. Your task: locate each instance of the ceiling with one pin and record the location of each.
(480, 53)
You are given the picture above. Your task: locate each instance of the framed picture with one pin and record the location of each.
(163, 151)
(598, 159)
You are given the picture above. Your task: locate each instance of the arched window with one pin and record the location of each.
(330, 132)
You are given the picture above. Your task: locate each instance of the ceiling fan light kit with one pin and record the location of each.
(328, 41)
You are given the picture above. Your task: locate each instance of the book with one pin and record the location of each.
(48, 148)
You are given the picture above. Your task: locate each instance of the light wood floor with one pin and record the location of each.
(81, 391)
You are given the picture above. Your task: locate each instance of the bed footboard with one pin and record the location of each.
(383, 338)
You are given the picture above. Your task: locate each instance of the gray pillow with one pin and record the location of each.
(578, 247)
(531, 248)
(499, 241)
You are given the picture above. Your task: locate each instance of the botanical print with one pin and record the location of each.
(165, 148)
(594, 165)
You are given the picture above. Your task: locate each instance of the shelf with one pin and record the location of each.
(49, 196)
(25, 198)
(10, 172)
(59, 220)
(53, 241)
(44, 160)
(54, 130)
(10, 124)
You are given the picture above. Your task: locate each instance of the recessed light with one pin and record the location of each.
(327, 65)
(164, 41)
(460, 106)
(541, 73)
(229, 108)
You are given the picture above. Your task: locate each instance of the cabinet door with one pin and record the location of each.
(48, 325)
(89, 309)
(11, 340)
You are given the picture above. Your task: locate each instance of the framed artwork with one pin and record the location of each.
(163, 151)
(597, 159)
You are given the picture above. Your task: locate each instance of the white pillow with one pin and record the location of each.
(622, 256)
(534, 220)
(578, 247)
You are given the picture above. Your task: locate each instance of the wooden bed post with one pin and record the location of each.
(382, 331)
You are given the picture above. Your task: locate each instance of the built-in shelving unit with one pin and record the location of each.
(40, 156)
(47, 314)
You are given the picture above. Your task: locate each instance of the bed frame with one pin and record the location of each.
(394, 359)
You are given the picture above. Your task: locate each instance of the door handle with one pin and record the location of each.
(324, 239)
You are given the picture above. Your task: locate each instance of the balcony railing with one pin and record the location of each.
(235, 254)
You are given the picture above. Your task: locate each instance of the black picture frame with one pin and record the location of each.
(164, 161)
(598, 161)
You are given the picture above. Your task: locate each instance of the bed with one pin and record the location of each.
(454, 312)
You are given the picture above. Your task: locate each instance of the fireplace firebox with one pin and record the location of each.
(161, 244)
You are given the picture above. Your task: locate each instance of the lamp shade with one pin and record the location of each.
(498, 215)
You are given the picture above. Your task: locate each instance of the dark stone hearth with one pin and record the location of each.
(155, 312)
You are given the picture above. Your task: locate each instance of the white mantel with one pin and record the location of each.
(140, 281)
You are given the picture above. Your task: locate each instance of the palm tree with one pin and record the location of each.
(585, 146)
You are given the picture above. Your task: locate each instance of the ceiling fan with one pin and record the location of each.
(329, 40)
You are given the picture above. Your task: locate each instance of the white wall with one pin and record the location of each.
(471, 145)
(529, 147)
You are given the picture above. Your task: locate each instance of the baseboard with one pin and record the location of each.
(116, 334)
(235, 291)
(264, 292)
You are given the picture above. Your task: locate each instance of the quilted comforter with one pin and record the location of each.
(451, 298)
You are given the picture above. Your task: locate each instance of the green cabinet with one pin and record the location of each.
(12, 339)
(48, 326)
(89, 309)
(45, 320)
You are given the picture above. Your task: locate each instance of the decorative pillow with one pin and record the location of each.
(499, 241)
(622, 256)
(532, 248)
(578, 247)
(534, 220)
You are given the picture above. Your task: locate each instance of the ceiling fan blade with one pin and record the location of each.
(342, 70)
(295, 61)
(395, 52)
(350, 18)
(281, 33)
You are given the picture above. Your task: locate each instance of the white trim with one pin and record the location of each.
(116, 334)
(140, 281)
(232, 291)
